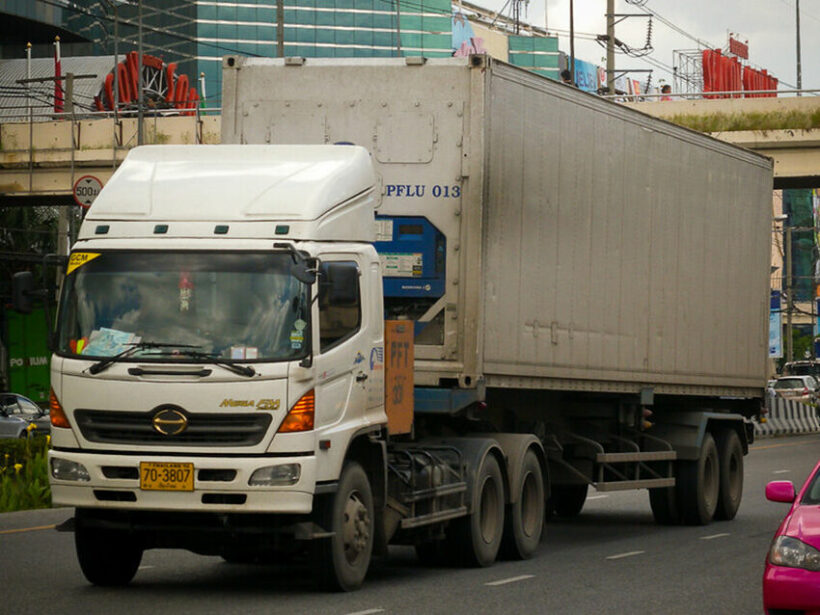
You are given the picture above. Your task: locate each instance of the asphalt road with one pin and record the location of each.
(610, 559)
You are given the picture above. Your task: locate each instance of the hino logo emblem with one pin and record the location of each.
(170, 422)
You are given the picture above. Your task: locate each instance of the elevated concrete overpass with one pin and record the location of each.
(40, 161)
(785, 129)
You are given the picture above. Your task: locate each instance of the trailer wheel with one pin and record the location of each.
(698, 484)
(568, 500)
(730, 458)
(476, 538)
(341, 561)
(106, 557)
(525, 518)
(664, 504)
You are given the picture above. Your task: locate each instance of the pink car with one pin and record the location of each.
(791, 582)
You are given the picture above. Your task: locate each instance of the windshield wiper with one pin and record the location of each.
(229, 364)
(133, 347)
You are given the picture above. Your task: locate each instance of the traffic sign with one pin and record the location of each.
(86, 190)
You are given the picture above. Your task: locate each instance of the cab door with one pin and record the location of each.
(341, 365)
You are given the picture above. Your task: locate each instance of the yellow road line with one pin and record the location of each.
(29, 529)
(761, 448)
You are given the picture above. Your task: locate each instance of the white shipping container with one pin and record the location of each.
(589, 247)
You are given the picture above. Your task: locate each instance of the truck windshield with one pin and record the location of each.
(238, 305)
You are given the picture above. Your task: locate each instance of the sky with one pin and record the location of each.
(769, 26)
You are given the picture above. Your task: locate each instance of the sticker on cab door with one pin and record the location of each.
(78, 259)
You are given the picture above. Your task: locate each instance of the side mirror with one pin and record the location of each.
(304, 271)
(22, 283)
(780, 491)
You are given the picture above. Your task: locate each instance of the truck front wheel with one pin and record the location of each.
(698, 484)
(107, 557)
(477, 537)
(342, 560)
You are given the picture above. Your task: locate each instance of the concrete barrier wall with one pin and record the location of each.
(786, 417)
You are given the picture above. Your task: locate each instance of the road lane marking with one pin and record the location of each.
(522, 577)
(780, 472)
(763, 448)
(713, 536)
(622, 555)
(367, 612)
(597, 497)
(28, 529)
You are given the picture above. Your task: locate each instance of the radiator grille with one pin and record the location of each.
(113, 427)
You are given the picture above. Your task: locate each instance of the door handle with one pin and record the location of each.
(361, 377)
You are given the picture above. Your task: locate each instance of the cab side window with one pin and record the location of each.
(340, 305)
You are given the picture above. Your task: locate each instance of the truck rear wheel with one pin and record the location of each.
(342, 560)
(525, 518)
(730, 458)
(476, 538)
(568, 500)
(698, 484)
(106, 557)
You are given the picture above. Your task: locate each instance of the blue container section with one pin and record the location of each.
(413, 258)
(413, 253)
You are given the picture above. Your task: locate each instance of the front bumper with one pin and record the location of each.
(114, 483)
(792, 589)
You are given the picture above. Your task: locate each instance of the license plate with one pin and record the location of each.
(166, 476)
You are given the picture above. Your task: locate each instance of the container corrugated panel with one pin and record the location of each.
(588, 246)
(618, 247)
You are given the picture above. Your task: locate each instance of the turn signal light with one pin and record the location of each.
(300, 417)
(56, 413)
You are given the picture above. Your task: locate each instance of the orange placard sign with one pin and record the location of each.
(398, 375)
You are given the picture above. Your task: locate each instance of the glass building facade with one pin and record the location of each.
(196, 34)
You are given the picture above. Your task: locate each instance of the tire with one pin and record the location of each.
(525, 518)
(476, 538)
(730, 459)
(664, 504)
(698, 485)
(568, 500)
(107, 557)
(341, 561)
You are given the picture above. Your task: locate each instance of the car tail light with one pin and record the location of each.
(58, 417)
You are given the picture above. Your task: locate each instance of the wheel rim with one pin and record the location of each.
(530, 510)
(356, 529)
(488, 507)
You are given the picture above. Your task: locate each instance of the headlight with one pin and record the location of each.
(62, 469)
(793, 553)
(276, 476)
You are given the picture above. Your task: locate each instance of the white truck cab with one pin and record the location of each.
(221, 337)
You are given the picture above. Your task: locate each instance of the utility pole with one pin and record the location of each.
(572, 41)
(610, 46)
(789, 297)
(140, 88)
(799, 67)
(280, 28)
